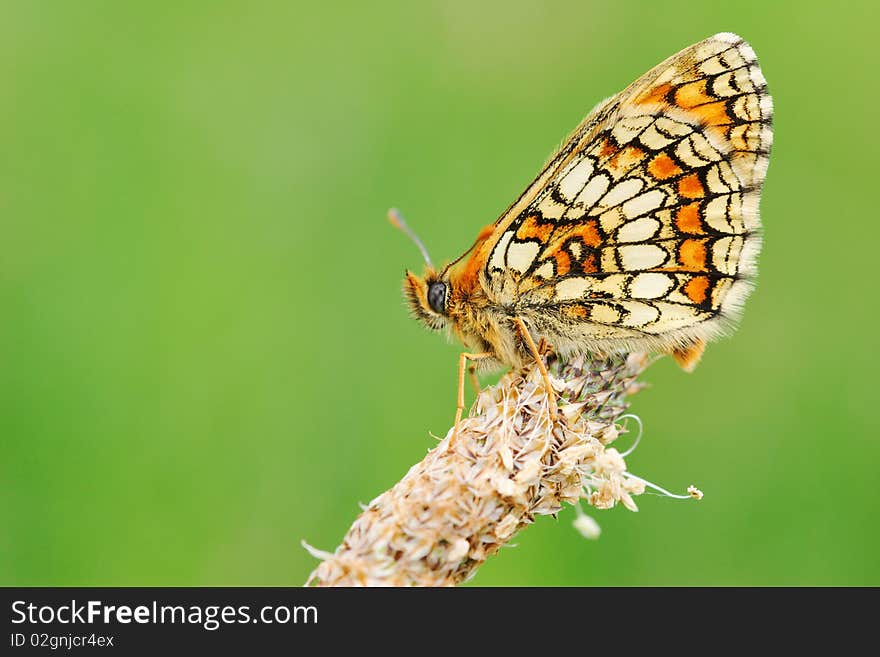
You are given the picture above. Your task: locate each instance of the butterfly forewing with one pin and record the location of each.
(645, 223)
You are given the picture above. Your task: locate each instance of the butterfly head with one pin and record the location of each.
(428, 297)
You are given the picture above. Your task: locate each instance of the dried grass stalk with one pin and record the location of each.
(470, 495)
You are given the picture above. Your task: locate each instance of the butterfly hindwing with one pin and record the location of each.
(645, 223)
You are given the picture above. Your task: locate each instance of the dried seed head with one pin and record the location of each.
(506, 465)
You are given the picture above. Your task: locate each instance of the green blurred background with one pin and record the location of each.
(204, 355)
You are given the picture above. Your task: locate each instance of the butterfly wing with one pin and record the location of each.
(643, 230)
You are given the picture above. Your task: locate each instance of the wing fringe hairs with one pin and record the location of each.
(469, 496)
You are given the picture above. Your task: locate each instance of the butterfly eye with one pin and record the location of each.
(437, 297)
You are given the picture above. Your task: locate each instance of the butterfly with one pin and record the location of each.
(641, 233)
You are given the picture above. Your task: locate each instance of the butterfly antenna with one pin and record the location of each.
(397, 221)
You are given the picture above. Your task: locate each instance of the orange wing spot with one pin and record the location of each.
(692, 255)
(589, 233)
(580, 312)
(563, 262)
(589, 264)
(531, 229)
(713, 113)
(655, 95)
(708, 109)
(687, 219)
(691, 187)
(662, 167)
(692, 94)
(608, 148)
(697, 289)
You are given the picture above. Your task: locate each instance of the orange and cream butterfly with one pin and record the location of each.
(640, 234)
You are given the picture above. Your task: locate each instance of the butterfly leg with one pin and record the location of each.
(539, 360)
(475, 382)
(462, 367)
